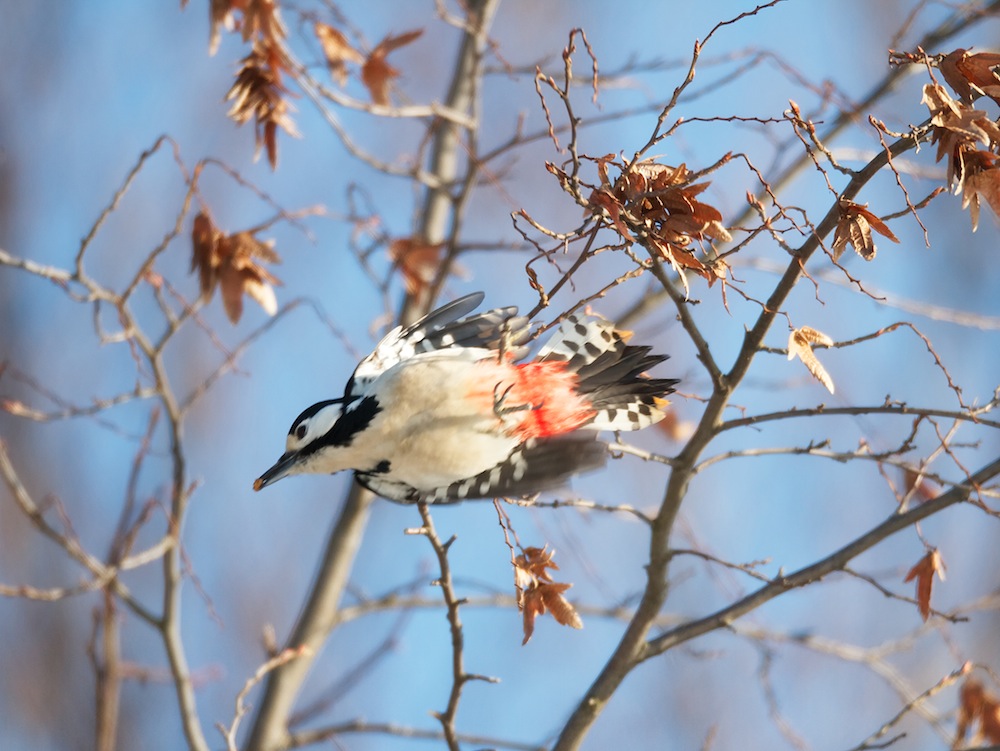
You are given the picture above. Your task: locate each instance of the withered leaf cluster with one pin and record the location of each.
(538, 593)
(376, 73)
(924, 572)
(660, 203)
(977, 706)
(233, 263)
(972, 75)
(960, 131)
(258, 93)
(259, 18)
(337, 51)
(800, 343)
(855, 227)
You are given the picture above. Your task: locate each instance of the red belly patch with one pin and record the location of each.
(538, 398)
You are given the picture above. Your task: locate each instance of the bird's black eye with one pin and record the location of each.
(300, 431)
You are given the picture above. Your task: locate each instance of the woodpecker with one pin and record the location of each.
(446, 409)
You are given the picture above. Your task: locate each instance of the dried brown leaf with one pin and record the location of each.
(262, 293)
(971, 74)
(942, 106)
(603, 203)
(204, 238)
(262, 19)
(531, 607)
(660, 196)
(418, 262)
(232, 262)
(675, 252)
(376, 73)
(659, 202)
(220, 16)
(980, 180)
(602, 169)
(247, 249)
(855, 227)
(258, 94)
(878, 225)
(958, 129)
(564, 613)
(976, 704)
(538, 593)
(535, 562)
(800, 343)
(231, 286)
(337, 50)
(924, 572)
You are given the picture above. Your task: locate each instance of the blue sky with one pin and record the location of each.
(88, 87)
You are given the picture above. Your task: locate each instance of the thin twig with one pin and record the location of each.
(452, 603)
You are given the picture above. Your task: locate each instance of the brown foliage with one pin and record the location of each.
(231, 263)
(971, 75)
(980, 180)
(958, 131)
(376, 73)
(660, 201)
(855, 227)
(976, 704)
(800, 343)
(259, 94)
(924, 572)
(337, 50)
(538, 592)
(259, 18)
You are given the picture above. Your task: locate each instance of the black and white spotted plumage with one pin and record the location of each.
(536, 464)
(609, 371)
(440, 411)
(441, 329)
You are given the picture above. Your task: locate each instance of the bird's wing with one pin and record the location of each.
(533, 466)
(440, 329)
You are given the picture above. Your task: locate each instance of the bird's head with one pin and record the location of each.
(304, 443)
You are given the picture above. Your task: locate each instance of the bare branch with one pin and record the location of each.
(282, 658)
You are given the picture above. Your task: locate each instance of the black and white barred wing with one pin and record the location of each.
(611, 373)
(533, 466)
(440, 329)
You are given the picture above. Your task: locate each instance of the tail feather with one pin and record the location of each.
(621, 365)
(642, 388)
(610, 373)
(634, 413)
(579, 341)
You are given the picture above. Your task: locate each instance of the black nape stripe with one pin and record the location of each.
(352, 422)
(310, 411)
(349, 387)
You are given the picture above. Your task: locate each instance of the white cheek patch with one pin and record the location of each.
(316, 426)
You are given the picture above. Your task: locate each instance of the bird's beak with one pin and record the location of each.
(281, 468)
